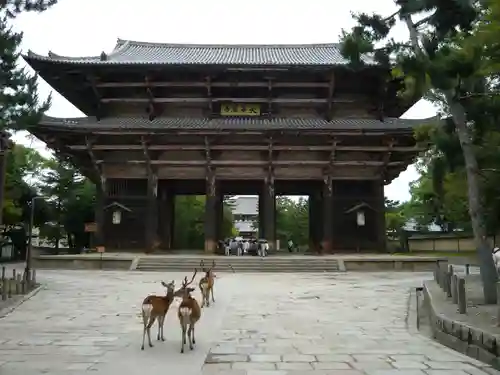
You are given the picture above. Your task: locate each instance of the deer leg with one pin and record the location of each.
(150, 324)
(212, 292)
(159, 329)
(161, 322)
(190, 336)
(202, 297)
(183, 337)
(192, 331)
(143, 335)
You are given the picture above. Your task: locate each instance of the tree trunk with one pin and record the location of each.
(58, 232)
(488, 272)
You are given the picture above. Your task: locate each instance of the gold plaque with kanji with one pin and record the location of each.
(232, 109)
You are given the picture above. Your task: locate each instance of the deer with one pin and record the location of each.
(156, 307)
(189, 312)
(206, 284)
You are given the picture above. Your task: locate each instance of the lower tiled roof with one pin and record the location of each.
(187, 123)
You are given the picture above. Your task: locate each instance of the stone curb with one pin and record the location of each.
(471, 341)
(9, 309)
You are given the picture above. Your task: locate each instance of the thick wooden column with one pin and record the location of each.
(211, 213)
(315, 218)
(100, 202)
(326, 243)
(269, 212)
(379, 207)
(261, 216)
(152, 214)
(219, 203)
(166, 216)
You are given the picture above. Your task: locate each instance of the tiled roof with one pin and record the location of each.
(186, 123)
(142, 53)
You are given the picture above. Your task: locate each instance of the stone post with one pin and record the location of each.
(449, 276)
(462, 296)
(454, 286)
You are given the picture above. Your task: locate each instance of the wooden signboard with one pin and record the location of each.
(100, 249)
(233, 109)
(90, 227)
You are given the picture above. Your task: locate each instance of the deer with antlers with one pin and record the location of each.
(206, 284)
(156, 307)
(189, 312)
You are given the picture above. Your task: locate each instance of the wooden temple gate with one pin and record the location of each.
(288, 120)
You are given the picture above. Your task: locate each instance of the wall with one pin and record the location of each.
(444, 242)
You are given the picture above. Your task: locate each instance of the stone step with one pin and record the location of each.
(240, 264)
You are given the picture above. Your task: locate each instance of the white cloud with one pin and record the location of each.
(88, 27)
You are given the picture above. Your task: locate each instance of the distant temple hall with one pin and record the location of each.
(267, 120)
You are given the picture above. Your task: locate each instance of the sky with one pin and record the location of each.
(89, 27)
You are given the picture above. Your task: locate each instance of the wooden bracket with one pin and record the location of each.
(209, 94)
(93, 84)
(95, 164)
(147, 157)
(152, 110)
(333, 155)
(331, 91)
(270, 97)
(386, 159)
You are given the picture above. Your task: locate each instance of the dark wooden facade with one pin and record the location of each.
(215, 120)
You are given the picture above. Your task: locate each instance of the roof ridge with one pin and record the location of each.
(121, 42)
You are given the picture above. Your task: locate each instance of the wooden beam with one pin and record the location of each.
(386, 159)
(96, 165)
(233, 100)
(215, 84)
(270, 98)
(256, 163)
(127, 147)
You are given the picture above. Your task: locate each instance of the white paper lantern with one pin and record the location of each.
(117, 217)
(360, 219)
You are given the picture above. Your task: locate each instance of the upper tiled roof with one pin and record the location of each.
(142, 53)
(186, 123)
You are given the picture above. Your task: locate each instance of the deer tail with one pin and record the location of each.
(147, 308)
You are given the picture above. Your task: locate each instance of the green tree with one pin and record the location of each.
(189, 231)
(292, 220)
(20, 107)
(438, 59)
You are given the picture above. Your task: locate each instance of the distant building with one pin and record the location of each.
(245, 213)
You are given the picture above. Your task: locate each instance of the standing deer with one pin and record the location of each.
(189, 313)
(156, 307)
(206, 284)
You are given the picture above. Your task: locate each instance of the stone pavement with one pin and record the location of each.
(87, 322)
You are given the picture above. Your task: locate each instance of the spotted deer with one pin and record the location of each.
(189, 313)
(206, 284)
(156, 307)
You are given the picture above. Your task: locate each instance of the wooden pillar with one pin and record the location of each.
(100, 200)
(269, 212)
(327, 238)
(315, 217)
(261, 216)
(211, 213)
(166, 217)
(379, 207)
(152, 214)
(220, 216)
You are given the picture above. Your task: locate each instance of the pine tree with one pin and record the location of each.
(20, 107)
(437, 61)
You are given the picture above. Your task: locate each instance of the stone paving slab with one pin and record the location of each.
(87, 322)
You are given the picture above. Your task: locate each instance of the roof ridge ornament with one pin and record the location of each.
(103, 56)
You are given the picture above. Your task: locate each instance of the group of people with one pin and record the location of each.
(241, 246)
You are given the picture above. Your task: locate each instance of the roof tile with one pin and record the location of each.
(186, 123)
(143, 53)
